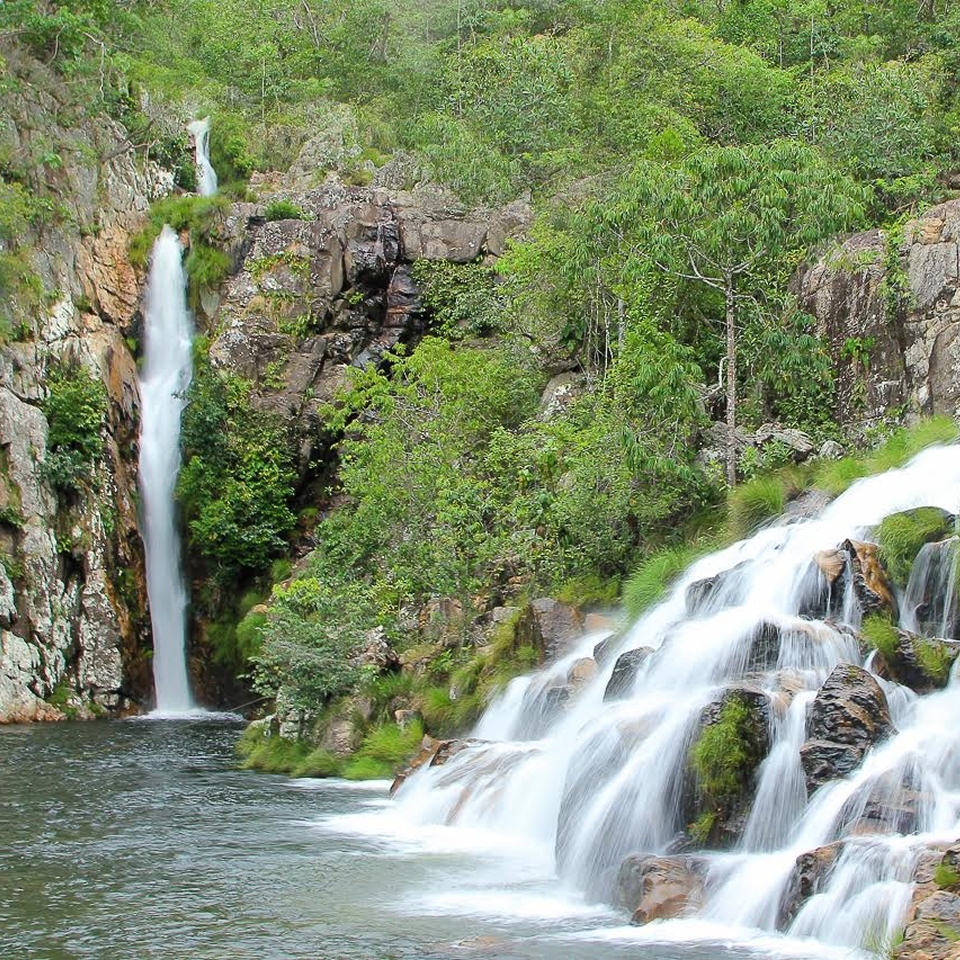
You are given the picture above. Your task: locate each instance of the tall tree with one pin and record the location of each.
(724, 218)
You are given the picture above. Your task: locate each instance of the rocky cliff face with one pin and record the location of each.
(71, 583)
(889, 306)
(312, 297)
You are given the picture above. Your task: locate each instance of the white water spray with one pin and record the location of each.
(164, 379)
(596, 781)
(206, 175)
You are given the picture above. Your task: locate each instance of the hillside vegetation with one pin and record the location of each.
(682, 159)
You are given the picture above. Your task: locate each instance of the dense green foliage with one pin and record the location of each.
(237, 479)
(75, 407)
(681, 160)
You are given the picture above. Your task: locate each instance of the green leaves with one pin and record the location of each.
(236, 483)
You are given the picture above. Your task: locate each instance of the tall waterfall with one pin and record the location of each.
(165, 377)
(206, 175)
(595, 781)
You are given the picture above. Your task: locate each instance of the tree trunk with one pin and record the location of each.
(731, 379)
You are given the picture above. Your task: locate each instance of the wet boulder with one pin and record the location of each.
(848, 716)
(809, 876)
(921, 663)
(432, 753)
(550, 627)
(932, 930)
(660, 888)
(731, 738)
(888, 804)
(624, 673)
(582, 672)
(853, 565)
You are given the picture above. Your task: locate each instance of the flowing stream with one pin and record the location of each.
(585, 786)
(165, 376)
(206, 175)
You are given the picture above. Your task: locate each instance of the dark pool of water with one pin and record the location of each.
(138, 840)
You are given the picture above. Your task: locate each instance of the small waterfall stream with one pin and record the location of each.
(206, 175)
(166, 374)
(599, 780)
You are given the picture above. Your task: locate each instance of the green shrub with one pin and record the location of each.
(651, 580)
(933, 659)
(75, 407)
(878, 632)
(901, 536)
(318, 763)
(283, 210)
(946, 876)
(835, 476)
(271, 754)
(753, 503)
(384, 750)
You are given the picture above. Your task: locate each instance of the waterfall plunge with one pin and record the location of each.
(206, 175)
(165, 377)
(601, 779)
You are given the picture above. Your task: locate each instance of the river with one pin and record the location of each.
(139, 840)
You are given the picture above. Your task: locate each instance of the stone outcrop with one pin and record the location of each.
(312, 297)
(852, 565)
(891, 351)
(549, 626)
(848, 716)
(932, 924)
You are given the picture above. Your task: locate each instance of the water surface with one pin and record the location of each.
(138, 840)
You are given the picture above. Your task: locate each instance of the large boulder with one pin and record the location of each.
(728, 744)
(848, 716)
(549, 626)
(852, 565)
(659, 888)
(921, 663)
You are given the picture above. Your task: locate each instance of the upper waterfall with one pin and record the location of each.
(605, 782)
(165, 376)
(206, 175)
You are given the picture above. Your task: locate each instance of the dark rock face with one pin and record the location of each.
(847, 717)
(809, 877)
(659, 888)
(870, 582)
(912, 348)
(624, 672)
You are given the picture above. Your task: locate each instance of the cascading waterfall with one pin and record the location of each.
(598, 780)
(206, 175)
(166, 374)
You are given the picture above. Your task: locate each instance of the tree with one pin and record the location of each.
(724, 218)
